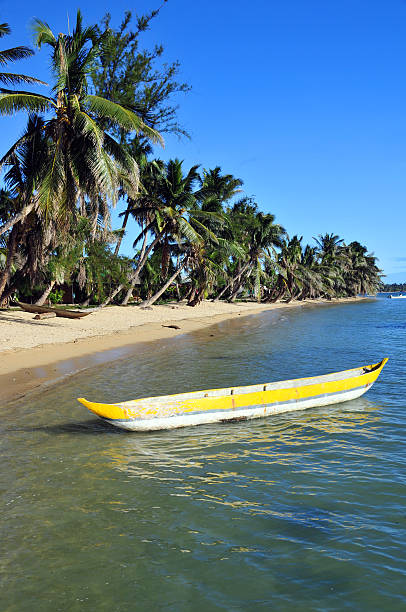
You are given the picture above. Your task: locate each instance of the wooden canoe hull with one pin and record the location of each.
(60, 312)
(238, 403)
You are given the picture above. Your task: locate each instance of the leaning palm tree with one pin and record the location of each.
(256, 233)
(163, 206)
(290, 269)
(11, 55)
(362, 274)
(85, 159)
(178, 220)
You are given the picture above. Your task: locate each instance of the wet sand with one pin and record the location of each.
(39, 353)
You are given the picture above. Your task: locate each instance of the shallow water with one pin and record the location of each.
(303, 511)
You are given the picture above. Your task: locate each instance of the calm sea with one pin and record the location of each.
(305, 511)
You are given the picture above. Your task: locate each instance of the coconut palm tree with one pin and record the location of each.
(217, 187)
(362, 274)
(84, 159)
(256, 233)
(165, 206)
(26, 168)
(314, 280)
(178, 220)
(290, 269)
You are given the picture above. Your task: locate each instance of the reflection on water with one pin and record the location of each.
(274, 441)
(304, 510)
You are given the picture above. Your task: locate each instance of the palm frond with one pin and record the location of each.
(14, 54)
(13, 101)
(43, 34)
(205, 231)
(186, 230)
(9, 78)
(89, 128)
(232, 248)
(4, 29)
(106, 109)
(53, 183)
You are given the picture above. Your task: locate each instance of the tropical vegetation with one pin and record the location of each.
(90, 145)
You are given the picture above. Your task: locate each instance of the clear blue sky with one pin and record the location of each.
(305, 101)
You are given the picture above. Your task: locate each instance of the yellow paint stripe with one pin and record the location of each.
(229, 402)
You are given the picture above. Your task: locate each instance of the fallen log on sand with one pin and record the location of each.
(44, 315)
(59, 312)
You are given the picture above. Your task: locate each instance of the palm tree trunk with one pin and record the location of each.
(178, 292)
(19, 217)
(112, 296)
(94, 223)
(239, 285)
(197, 298)
(129, 292)
(158, 294)
(124, 225)
(44, 296)
(136, 278)
(135, 274)
(232, 281)
(87, 300)
(11, 249)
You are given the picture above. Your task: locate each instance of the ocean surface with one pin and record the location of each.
(303, 511)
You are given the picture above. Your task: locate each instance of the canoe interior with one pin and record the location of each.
(273, 386)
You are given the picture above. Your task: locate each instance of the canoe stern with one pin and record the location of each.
(106, 411)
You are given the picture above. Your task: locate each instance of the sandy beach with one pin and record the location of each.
(34, 353)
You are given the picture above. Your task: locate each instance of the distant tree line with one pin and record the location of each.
(89, 145)
(393, 287)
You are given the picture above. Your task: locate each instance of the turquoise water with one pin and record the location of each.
(305, 511)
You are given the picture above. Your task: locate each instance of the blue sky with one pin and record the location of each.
(305, 101)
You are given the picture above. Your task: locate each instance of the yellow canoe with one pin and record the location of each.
(237, 403)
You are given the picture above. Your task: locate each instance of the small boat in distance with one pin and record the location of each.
(396, 297)
(237, 403)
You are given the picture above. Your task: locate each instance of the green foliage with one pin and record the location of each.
(136, 78)
(108, 99)
(82, 158)
(56, 296)
(12, 55)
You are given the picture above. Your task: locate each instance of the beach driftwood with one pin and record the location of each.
(59, 312)
(45, 315)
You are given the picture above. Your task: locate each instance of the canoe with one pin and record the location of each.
(60, 312)
(397, 297)
(237, 403)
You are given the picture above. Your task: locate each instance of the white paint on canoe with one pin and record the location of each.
(253, 412)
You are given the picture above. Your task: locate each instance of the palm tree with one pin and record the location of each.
(217, 187)
(362, 274)
(333, 259)
(25, 169)
(84, 159)
(314, 282)
(165, 208)
(12, 55)
(328, 244)
(178, 220)
(256, 233)
(290, 269)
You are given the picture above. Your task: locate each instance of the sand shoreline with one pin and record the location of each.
(36, 354)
